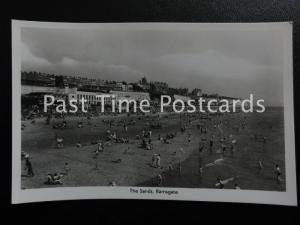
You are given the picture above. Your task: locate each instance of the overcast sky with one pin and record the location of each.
(229, 62)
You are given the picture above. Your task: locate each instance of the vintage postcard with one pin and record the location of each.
(170, 111)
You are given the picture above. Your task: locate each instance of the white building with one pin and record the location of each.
(92, 98)
(130, 95)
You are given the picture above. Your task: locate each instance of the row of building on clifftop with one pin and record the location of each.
(36, 85)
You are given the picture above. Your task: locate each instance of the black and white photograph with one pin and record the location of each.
(175, 111)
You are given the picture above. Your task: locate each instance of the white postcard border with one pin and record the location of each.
(289, 197)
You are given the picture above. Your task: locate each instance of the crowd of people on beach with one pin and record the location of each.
(210, 130)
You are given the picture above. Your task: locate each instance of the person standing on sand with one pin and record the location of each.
(232, 149)
(158, 161)
(179, 168)
(260, 166)
(211, 144)
(278, 173)
(96, 159)
(59, 142)
(159, 180)
(28, 167)
(264, 140)
(100, 147)
(66, 168)
(201, 155)
(223, 146)
(154, 160)
(189, 138)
